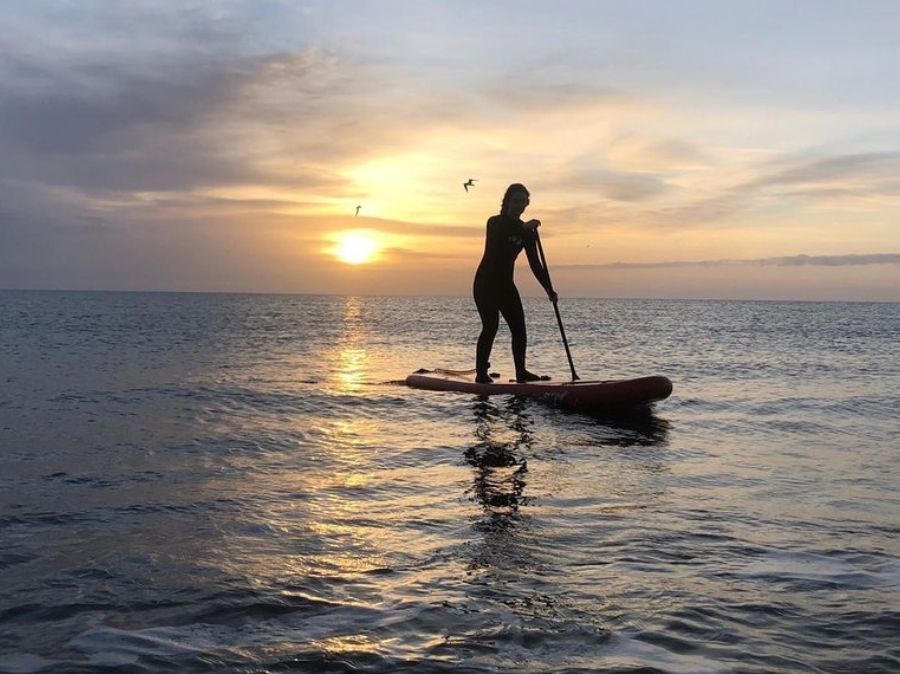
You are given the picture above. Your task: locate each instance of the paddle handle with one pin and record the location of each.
(562, 330)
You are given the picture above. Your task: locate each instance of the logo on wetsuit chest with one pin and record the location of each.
(517, 240)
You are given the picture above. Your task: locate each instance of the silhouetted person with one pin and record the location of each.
(494, 290)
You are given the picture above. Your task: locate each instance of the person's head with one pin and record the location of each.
(515, 201)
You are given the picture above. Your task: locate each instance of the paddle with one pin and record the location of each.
(555, 306)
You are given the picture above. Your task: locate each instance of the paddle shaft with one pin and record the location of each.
(562, 330)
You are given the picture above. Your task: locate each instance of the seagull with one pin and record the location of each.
(357, 209)
(471, 183)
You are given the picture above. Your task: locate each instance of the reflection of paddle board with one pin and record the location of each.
(591, 396)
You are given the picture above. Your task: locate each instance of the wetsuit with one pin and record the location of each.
(495, 292)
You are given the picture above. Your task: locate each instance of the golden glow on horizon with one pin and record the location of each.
(356, 247)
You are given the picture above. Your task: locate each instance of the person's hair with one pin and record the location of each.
(512, 189)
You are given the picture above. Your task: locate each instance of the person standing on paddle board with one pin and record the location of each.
(494, 290)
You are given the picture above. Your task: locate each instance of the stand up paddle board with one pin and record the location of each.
(590, 396)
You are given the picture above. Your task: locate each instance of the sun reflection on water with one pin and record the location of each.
(352, 369)
(351, 435)
(351, 355)
(353, 643)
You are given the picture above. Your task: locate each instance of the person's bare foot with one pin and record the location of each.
(526, 376)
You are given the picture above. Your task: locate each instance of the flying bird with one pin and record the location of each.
(357, 209)
(470, 183)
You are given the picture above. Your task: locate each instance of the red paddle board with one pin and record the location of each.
(594, 396)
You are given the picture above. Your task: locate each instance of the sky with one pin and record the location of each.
(699, 149)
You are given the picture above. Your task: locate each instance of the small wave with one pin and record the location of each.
(27, 663)
(8, 559)
(811, 571)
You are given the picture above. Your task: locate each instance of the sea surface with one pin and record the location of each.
(241, 483)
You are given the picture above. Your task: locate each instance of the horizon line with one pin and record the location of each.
(391, 295)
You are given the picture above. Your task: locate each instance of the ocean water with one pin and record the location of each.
(239, 483)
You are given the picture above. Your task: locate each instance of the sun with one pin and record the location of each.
(356, 247)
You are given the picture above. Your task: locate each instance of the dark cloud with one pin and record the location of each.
(849, 260)
(181, 205)
(50, 240)
(90, 108)
(190, 123)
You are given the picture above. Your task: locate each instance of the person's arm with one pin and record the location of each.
(534, 261)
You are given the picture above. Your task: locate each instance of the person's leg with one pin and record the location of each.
(514, 315)
(490, 321)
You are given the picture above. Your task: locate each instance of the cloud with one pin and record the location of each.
(614, 185)
(658, 155)
(838, 181)
(866, 167)
(632, 169)
(430, 230)
(189, 124)
(525, 94)
(407, 258)
(849, 260)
